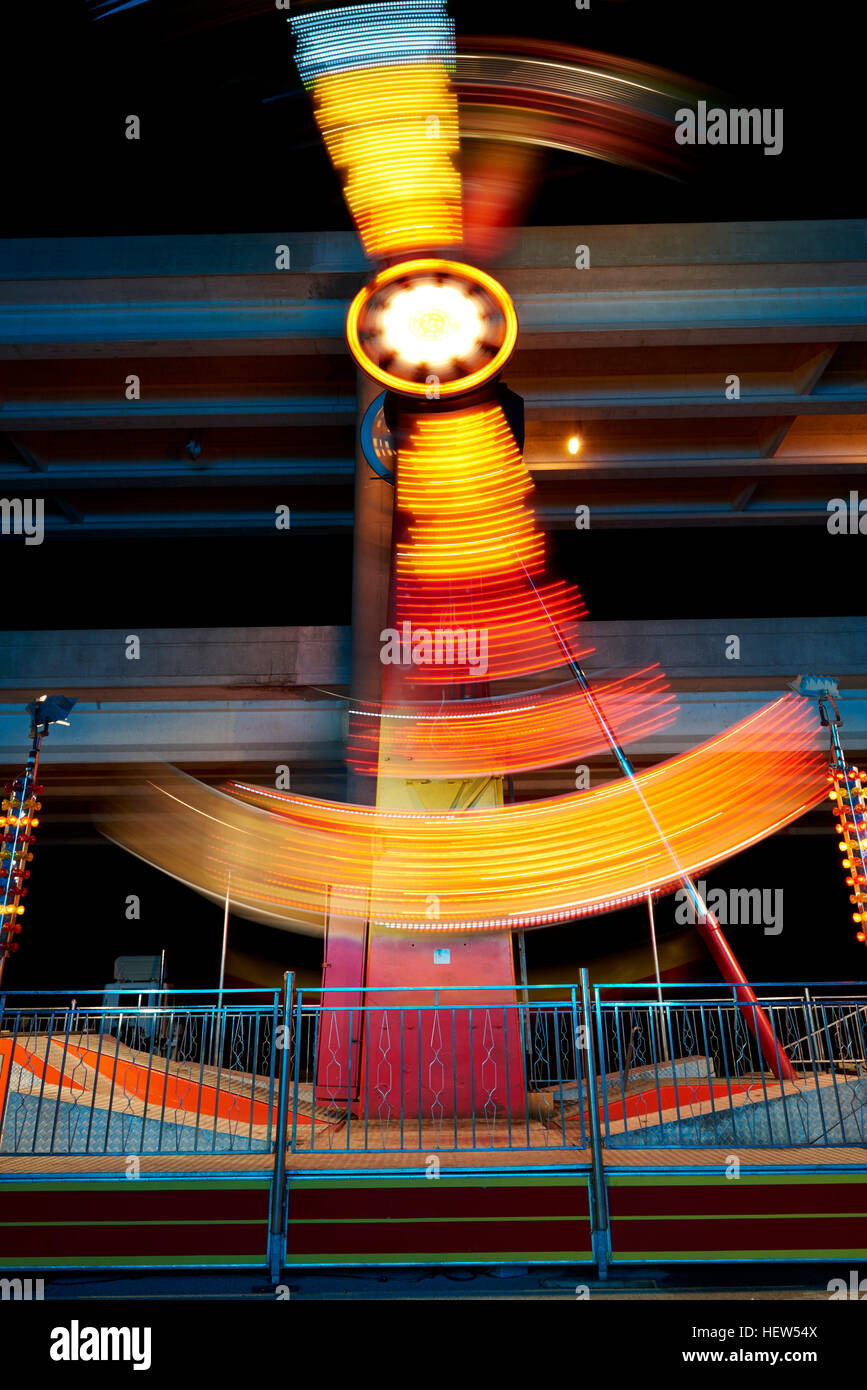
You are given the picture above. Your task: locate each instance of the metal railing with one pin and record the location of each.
(430, 1070)
(688, 1072)
(451, 1070)
(156, 1072)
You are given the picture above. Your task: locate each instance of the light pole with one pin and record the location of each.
(19, 820)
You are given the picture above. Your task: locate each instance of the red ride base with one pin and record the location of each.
(462, 1052)
(433, 1041)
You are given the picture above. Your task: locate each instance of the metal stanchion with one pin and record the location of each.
(279, 1181)
(598, 1202)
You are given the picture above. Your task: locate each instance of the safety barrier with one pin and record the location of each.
(319, 1091)
(430, 1070)
(686, 1072)
(157, 1072)
(452, 1070)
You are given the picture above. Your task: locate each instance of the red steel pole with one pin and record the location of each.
(757, 1020)
(709, 928)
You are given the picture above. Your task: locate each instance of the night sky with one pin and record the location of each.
(229, 144)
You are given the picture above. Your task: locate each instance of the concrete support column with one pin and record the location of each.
(371, 565)
(345, 944)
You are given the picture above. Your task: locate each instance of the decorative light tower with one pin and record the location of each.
(850, 811)
(19, 820)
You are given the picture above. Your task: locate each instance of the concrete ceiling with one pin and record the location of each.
(250, 366)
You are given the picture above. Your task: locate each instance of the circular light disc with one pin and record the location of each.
(432, 323)
(432, 328)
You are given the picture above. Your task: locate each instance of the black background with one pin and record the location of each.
(229, 144)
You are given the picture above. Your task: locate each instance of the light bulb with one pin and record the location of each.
(432, 324)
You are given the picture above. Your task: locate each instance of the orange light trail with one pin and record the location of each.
(492, 737)
(489, 869)
(463, 479)
(393, 133)
(470, 544)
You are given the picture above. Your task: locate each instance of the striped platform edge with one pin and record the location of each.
(461, 1218)
(678, 1216)
(137, 1223)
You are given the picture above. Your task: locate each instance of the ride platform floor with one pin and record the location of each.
(339, 1160)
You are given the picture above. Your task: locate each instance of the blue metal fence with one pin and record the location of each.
(156, 1072)
(380, 1074)
(428, 1070)
(687, 1072)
